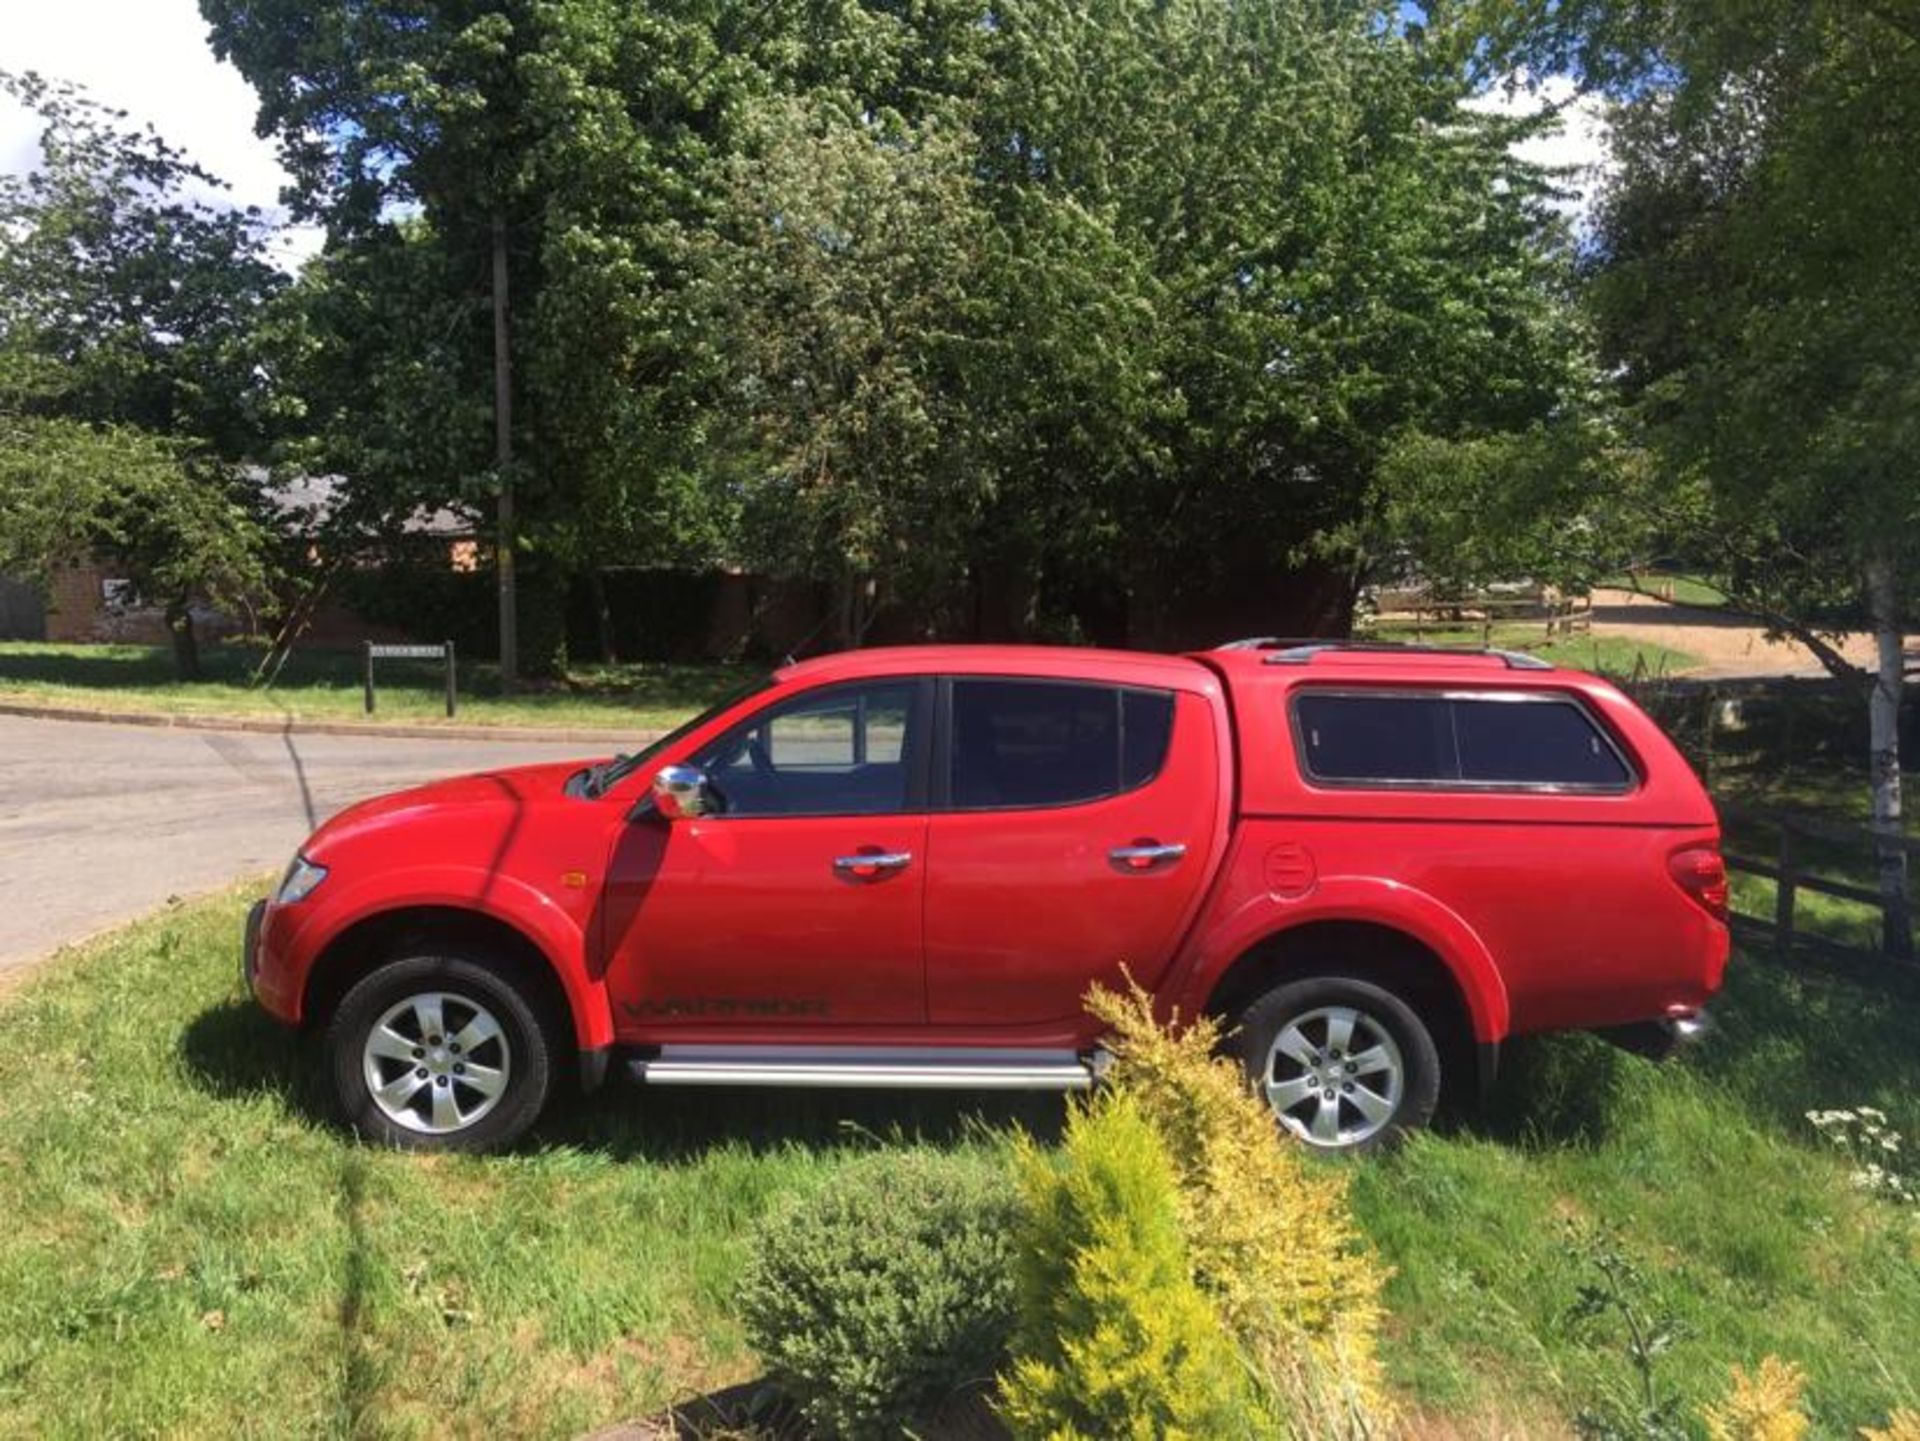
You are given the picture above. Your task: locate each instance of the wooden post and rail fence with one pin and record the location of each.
(1420, 611)
(1794, 873)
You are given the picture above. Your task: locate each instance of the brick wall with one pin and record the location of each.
(74, 604)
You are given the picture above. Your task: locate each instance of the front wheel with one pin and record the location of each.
(439, 1053)
(1345, 1064)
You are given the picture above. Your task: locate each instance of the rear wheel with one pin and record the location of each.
(1345, 1064)
(439, 1053)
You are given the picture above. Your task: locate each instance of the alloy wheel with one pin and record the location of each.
(436, 1062)
(1334, 1076)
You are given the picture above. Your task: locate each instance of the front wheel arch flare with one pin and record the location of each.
(363, 946)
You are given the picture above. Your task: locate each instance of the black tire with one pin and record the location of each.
(1305, 1001)
(517, 1046)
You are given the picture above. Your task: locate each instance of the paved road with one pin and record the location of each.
(99, 823)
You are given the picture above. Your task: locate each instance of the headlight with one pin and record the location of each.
(299, 882)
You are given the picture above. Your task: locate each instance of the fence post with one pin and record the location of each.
(450, 680)
(367, 648)
(1783, 895)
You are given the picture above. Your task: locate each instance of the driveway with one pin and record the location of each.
(1729, 646)
(99, 823)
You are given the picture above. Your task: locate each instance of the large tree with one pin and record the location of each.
(1756, 288)
(539, 166)
(1149, 337)
(131, 386)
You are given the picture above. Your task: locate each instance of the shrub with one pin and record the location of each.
(885, 1292)
(1114, 1339)
(1271, 1236)
(1764, 1406)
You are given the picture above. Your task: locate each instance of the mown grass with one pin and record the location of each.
(1743, 1222)
(642, 696)
(327, 685)
(1609, 655)
(192, 1248)
(1677, 586)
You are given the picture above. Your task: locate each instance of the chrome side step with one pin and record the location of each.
(883, 1067)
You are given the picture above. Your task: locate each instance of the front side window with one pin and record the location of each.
(1495, 741)
(842, 751)
(1021, 744)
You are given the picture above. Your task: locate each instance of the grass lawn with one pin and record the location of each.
(322, 685)
(1678, 586)
(1609, 655)
(318, 685)
(192, 1248)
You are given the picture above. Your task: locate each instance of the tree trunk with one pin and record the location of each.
(503, 460)
(1883, 716)
(186, 646)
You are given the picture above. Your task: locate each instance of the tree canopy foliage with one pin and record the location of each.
(130, 379)
(1754, 288)
(1065, 318)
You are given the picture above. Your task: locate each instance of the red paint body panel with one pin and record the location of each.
(1548, 910)
(1026, 909)
(707, 920)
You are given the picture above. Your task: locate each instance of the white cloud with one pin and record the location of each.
(151, 59)
(1579, 146)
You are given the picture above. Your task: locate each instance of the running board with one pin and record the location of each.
(884, 1067)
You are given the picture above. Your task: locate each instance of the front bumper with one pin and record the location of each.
(250, 945)
(263, 962)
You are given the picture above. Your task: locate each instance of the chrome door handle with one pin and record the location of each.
(872, 863)
(1145, 856)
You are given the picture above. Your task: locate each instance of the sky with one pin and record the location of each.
(1581, 143)
(151, 59)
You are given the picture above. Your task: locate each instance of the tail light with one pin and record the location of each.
(1701, 871)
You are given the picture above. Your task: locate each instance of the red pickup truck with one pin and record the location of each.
(906, 867)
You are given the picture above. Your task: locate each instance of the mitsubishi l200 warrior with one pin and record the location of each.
(906, 867)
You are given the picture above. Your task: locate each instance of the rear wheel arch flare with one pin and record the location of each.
(1364, 950)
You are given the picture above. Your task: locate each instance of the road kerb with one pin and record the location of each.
(295, 725)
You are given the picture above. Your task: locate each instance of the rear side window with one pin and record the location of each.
(1021, 744)
(1521, 741)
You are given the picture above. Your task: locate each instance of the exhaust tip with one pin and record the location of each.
(1690, 1027)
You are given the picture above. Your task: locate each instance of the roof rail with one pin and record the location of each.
(1271, 642)
(1298, 653)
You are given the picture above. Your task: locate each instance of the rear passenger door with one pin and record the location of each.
(1071, 836)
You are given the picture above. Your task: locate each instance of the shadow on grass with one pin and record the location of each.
(233, 1051)
(1788, 1040)
(758, 1409)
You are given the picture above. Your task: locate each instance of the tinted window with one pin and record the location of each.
(1377, 738)
(1534, 743)
(841, 752)
(1045, 743)
(1454, 740)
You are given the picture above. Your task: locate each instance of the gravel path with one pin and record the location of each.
(1729, 647)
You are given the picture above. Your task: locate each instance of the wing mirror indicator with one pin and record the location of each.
(682, 793)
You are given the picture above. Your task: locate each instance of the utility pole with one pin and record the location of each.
(503, 462)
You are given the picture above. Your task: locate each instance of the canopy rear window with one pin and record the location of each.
(1521, 740)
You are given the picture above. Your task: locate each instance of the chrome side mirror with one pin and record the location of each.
(681, 793)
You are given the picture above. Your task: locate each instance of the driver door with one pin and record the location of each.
(798, 903)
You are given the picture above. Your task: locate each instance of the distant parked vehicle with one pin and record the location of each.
(906, 867)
